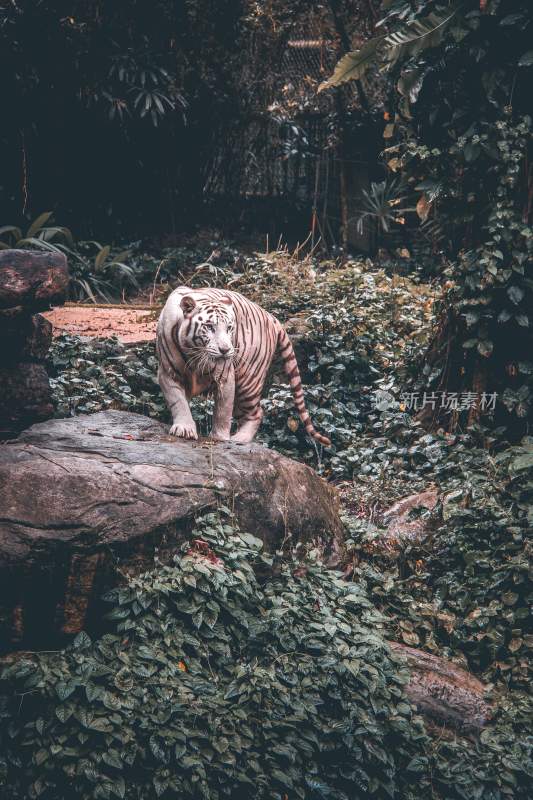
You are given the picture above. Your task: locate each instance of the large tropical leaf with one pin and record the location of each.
(419, 34)
(410, 83)
(526, 60)
(101, 257)
(52, 232)
(16, 232)
(409, 39)
(38, 223)
(353, 65)
(122, 256)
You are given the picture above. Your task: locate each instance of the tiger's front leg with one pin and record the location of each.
(224, 398)
(183, 424)
(247, 429)
(249, 414)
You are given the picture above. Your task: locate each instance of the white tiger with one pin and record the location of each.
(215, 340)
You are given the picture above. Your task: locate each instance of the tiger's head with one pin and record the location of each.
(206, 334)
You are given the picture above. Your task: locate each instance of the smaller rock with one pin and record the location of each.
(31, 281)
(396, 518)
(25, 398)
(25, 338)
(445, 694)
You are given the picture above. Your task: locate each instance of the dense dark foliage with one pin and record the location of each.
(467, 148)
(460, 135)
(111, 114)
(152, 119)
(213, 683)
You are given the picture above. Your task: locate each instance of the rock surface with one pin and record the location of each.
(84, 496)
(29, 282)
(25, 397)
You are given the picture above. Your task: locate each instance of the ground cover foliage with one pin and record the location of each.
(221, 677)
(212, 684)
(463, 593)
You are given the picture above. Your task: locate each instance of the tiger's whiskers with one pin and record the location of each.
(237, 356)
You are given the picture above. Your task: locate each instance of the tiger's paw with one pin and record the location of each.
(187, 431)
(220, 436)
(247, 431)
(242, 437)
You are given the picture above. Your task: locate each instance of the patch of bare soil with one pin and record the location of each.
(127, 324)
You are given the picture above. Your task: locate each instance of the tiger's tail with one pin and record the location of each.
(290, 366)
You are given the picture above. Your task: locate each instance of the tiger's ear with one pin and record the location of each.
(227, 300)
(188, 304)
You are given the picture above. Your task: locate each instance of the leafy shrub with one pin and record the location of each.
(481, 565)
(96, 273)
(465, 591)
(38, 234)
(384, 205)
(214, 684)
(94, 375)
(461, 137)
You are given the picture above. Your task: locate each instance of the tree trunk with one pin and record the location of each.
(445, 694)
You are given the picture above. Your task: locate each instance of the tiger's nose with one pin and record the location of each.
(224, 349)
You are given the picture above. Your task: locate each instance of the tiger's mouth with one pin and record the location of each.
(204, 361)
(218, 356)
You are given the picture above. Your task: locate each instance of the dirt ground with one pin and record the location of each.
(128, 324)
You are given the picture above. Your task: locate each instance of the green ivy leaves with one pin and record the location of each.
(224, 685)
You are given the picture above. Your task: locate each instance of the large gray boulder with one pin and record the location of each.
(86, 499)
